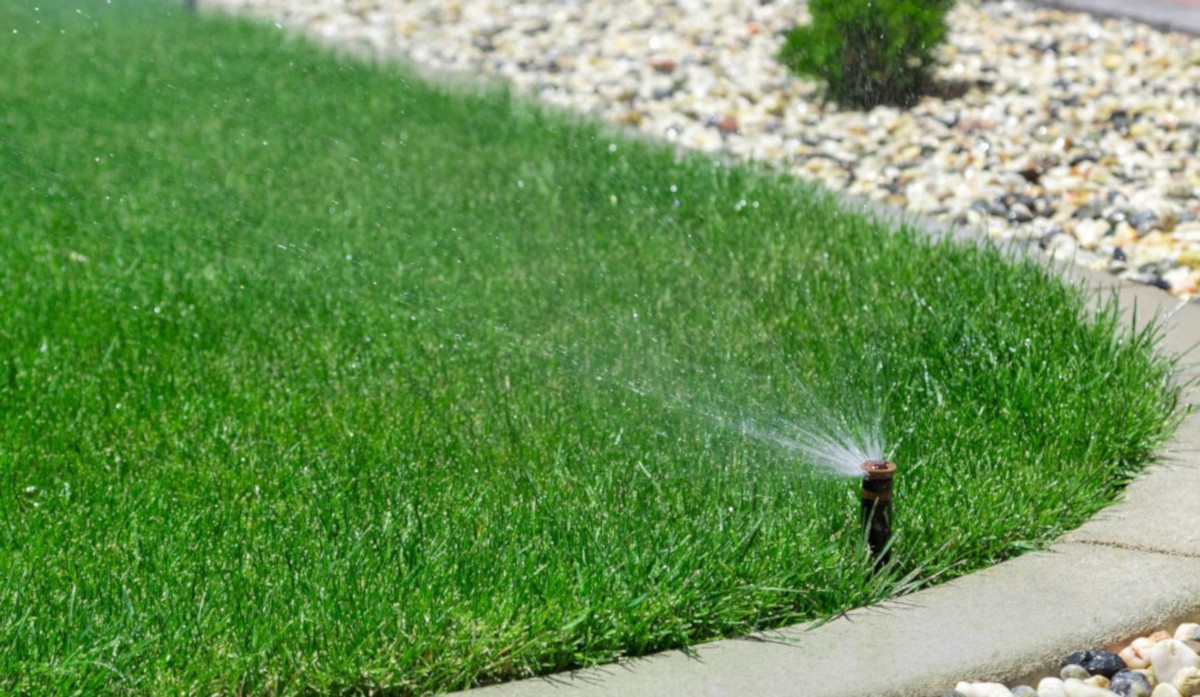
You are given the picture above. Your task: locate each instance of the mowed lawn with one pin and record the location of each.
(317, 379)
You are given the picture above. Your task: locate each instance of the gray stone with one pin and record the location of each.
(1128, 683)
(1074, 670)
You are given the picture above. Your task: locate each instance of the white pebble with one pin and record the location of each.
(983, 689)
(1165, 689)
(1170, 656)
(1051, 687)
(1089, 232)
(1079, 688)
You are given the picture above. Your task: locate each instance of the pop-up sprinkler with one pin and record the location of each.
(877, 508)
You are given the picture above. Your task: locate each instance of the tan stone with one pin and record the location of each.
(1187, 681)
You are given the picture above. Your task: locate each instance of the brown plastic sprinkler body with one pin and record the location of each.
(877, 508)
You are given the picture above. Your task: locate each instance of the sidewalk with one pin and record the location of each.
(1174, 15)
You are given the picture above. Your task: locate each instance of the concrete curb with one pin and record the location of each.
(1160, 14)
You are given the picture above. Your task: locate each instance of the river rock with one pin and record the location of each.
(1170, 656)
(1143, 646)
(1074, 671)
(1189, 631)
(1051, 687)
(983, 689)
(1132, 659)
(1137, 654)
(1024, 691)
(1165, 689)
(1079, 688)
(1187, 681)
(1089, 232)
(1096, 662)
(1128, 683)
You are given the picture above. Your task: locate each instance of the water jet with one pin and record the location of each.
(878, 476)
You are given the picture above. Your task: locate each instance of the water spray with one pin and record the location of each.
(877, 508)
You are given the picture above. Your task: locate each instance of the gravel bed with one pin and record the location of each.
(1163, 664)
(1054, 128)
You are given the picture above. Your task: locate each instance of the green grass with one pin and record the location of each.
(317, 379)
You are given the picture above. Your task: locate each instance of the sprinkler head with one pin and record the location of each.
(877, 508)
(879, 469)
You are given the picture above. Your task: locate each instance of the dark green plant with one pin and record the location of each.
(870, 52)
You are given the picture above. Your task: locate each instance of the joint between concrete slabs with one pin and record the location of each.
(1131, 546)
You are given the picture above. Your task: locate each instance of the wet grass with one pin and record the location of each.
(317, 379)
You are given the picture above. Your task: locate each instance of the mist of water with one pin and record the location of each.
(825, 442)
(837, 441)
(835, 436)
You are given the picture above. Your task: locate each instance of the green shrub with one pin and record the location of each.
(869, 52)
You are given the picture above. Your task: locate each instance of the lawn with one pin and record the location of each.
(315, 378)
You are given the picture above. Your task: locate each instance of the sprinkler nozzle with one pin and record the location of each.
(877, 508)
